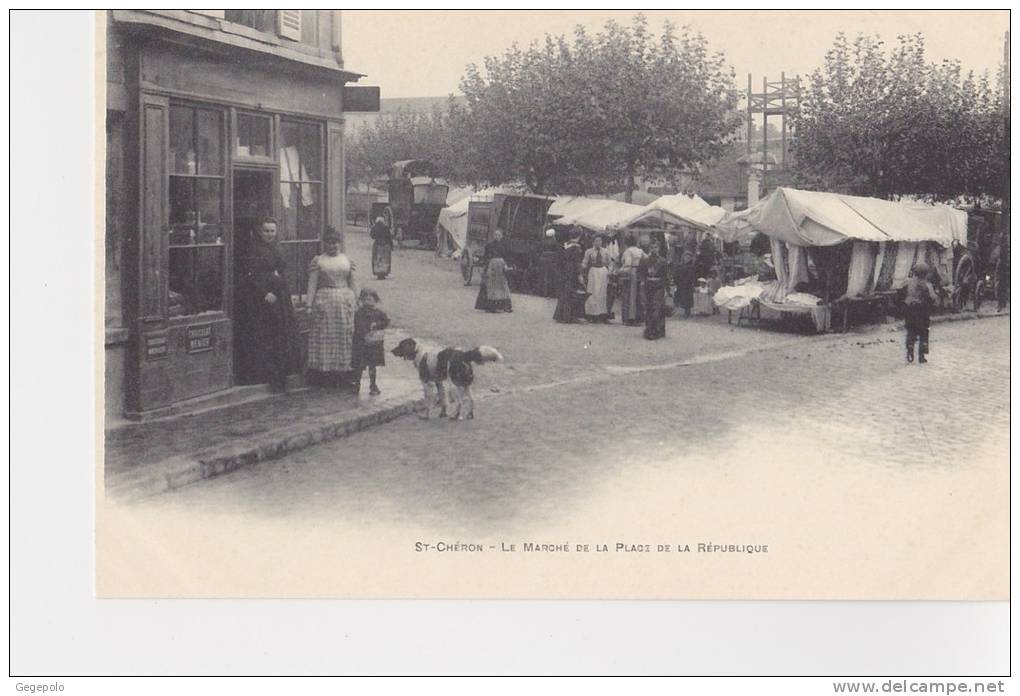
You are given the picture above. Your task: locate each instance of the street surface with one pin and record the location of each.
(830, 446)
(878, 478)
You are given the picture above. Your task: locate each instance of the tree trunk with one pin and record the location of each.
(629, 195)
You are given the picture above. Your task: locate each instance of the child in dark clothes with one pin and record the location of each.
(918, 301)
(369, 322)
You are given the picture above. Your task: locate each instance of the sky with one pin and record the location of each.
(424, 53)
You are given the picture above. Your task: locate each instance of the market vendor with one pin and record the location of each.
(597, 265)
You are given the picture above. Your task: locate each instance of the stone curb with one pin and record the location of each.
(179, 471)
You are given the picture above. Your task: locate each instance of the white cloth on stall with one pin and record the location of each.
(797, 262)
(804, 299)
(862, 266)
(879, 259)
(776, 292)
(738, 296)
(904, 262)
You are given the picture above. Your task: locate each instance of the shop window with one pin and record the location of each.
(196, 258)
(253, 136)
(301, 223)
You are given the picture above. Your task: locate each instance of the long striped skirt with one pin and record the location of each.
(330, 347)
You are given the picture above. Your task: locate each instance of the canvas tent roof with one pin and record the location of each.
(678, 208)
(597, 214)
(812, 218)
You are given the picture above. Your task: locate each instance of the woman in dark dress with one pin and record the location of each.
(549, 265)
(656, 276)
(382, 248)
(494, 293)
(570, 305)
(266, 326)
(686, 277)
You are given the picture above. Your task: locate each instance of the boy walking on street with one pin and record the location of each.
(917, 311)
(369, 322)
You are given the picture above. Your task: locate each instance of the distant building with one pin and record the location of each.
(214, 119)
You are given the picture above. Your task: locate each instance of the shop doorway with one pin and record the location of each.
(253, 202)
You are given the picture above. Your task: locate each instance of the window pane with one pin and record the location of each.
(260, 143)
(209, 199)
(263, 20)
(183, 211)
(210, 142)
(290, 165)
(253, 135)
(292, 257)
(208, 291)
(182, 278)
(309, 219)
(291, 195)
(183, 158)
(300, 152)
(311, 154)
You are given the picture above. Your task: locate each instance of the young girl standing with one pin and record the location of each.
(369, 322)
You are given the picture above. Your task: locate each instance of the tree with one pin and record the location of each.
(892, 124)
(401, 135)
(601, 109)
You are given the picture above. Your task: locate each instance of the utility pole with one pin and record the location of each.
(776, 99)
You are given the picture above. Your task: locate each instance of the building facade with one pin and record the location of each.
(215, 119)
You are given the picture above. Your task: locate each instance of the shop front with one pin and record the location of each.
(221, 137)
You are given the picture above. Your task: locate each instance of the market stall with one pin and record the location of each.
(837, 251)
(595, 214)
(677, 220)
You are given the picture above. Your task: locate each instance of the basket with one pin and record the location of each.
(374, 338)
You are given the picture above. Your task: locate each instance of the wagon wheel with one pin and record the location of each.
(467, 266)
(979, 292)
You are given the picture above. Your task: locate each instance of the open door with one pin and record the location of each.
(253, 202)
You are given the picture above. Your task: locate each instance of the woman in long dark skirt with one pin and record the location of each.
(656, 276)
(382, 248)
(494, 293)
(686, 277)
(569, 306)
(266, 326)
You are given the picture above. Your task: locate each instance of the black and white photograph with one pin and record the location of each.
(555, 304)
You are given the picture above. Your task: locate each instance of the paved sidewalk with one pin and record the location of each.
(144, 459)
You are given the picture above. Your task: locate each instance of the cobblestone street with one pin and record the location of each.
(826, 445)
(830, 449)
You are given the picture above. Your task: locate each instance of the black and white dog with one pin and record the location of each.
(436, 365)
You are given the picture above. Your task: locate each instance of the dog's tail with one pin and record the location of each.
(483, 354)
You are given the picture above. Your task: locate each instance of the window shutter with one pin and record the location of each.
(289, 24)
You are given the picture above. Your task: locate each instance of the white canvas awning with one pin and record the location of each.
(812, 218)
(676, 209)
(598, 214)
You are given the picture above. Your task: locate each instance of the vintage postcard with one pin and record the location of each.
(553, 304)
